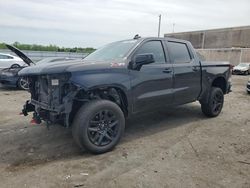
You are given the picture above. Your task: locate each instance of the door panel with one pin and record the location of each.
(186, 82)
(152, 86)
(187, 72)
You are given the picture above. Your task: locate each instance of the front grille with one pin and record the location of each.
(43, 91)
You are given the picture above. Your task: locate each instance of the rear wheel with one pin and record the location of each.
(23, 83)
(98, 126)
(215, 103)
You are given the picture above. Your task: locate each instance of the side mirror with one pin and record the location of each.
(142, 59)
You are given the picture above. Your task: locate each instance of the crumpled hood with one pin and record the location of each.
(61, 67)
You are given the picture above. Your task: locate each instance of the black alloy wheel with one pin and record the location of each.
(217, 102)
(98, 126)
(214, 105)
(102, 128)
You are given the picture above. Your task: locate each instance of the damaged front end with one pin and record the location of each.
(51, 98)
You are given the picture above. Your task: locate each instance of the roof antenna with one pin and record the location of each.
(137, 36)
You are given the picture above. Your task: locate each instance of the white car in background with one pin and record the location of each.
(242, 68)
(7, 61)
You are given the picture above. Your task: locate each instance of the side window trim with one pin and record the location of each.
(190, 52)
(166, 50)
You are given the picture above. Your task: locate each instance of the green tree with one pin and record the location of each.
(51, 47)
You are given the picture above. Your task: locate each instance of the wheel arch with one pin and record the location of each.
(114, 93)
(218, 81)
(221, 83)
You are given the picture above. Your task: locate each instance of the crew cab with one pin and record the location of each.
(120, 80)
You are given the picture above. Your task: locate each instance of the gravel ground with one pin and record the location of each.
(170, 148)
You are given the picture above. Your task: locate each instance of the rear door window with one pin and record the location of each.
(179, 52)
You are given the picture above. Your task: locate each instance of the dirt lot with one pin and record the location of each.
(170, 148)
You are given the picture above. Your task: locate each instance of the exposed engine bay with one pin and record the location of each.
(53, 98)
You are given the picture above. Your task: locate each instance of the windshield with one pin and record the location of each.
(243, 65)
(116, 50)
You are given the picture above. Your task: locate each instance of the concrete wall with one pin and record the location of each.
(234, 56)
(227, 44)
(217, 38)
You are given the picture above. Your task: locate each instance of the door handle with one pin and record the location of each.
(167, 70)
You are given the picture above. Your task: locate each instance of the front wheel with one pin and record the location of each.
(215, 103)
(23, 83)
(98, 126)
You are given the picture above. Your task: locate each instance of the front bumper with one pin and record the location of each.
(51, 99)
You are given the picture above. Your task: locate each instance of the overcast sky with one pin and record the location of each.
(92, 23)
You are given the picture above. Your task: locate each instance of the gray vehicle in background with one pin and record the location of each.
(9, 76)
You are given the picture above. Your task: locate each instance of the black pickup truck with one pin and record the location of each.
(119, 80)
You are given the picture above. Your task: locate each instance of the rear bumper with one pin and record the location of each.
(229, 87)
(238, 72)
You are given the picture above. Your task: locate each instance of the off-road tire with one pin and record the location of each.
(82, 124)
(215, 103)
